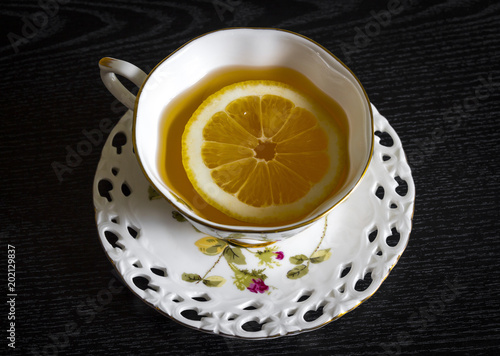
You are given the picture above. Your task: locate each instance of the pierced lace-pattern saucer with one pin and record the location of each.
(291, 286)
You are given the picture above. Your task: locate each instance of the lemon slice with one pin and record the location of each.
(262, 152)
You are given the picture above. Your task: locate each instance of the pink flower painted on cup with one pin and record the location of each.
(279, 255)
(258, 286)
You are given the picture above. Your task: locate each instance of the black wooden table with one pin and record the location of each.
(430, 67)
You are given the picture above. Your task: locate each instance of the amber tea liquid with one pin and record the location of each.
(179, 111)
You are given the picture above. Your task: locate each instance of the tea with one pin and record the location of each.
(180, 110)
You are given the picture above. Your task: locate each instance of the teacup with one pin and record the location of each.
(185, 67)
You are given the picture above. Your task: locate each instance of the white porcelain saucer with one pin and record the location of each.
(291, 286)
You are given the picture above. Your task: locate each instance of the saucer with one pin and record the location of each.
(292, 286)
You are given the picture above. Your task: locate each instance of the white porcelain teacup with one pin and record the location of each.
(240, 47)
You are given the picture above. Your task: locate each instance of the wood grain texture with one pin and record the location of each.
(431, 69)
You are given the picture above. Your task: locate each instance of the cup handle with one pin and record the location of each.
(109, 68)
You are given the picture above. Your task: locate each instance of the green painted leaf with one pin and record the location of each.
(191, 277)
(153, 194)
(258, 273)
(297, 272)
(241, 279)
(298, 259)
(266, 257)
(234, 255)
(178, 216)
(211, 246)
(214, 281)
(320, 256)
